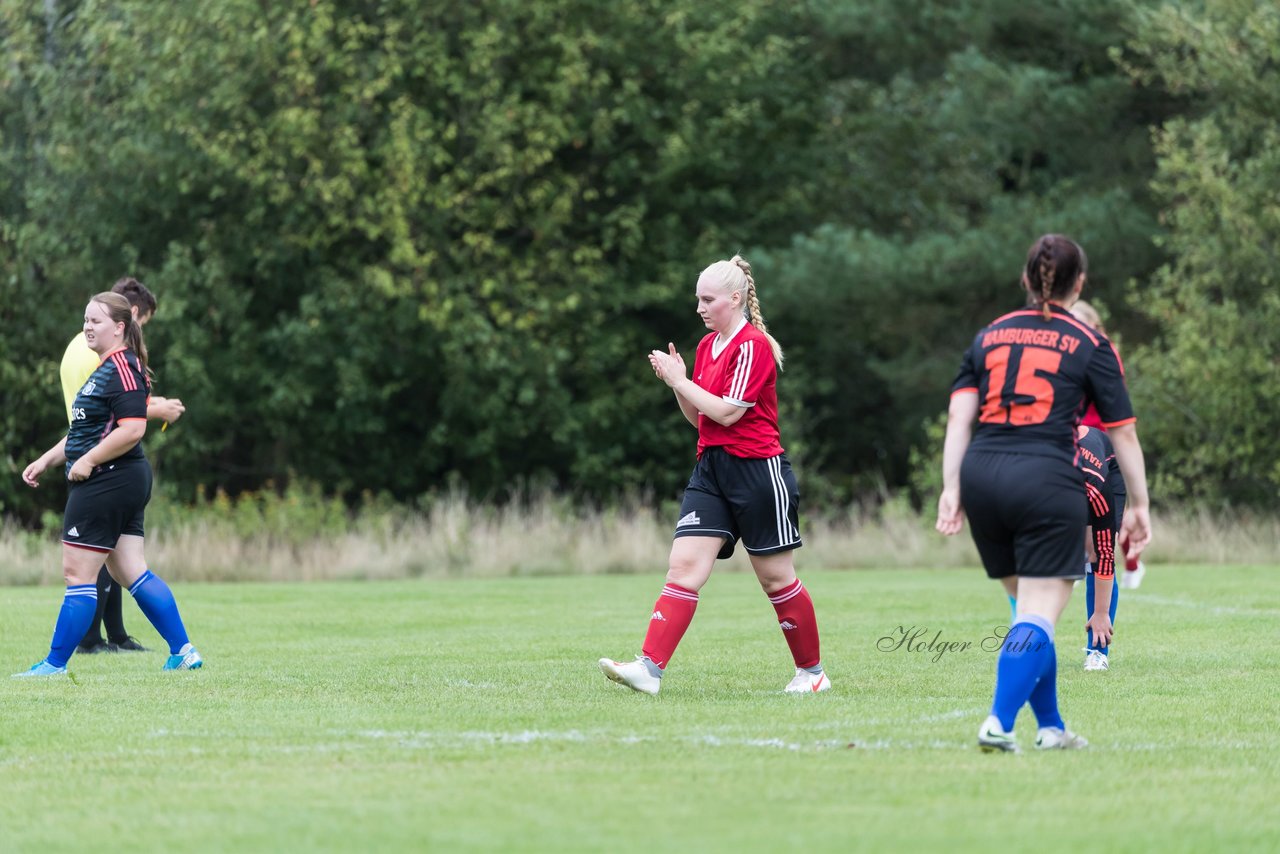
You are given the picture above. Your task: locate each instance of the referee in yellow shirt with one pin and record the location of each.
(78, 363)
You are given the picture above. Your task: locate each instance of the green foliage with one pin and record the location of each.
(300, 513)
(393, 244)
(956, 144)
(399, 245)
(1210, 384)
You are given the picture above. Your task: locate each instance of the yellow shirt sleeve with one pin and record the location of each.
(78, 364)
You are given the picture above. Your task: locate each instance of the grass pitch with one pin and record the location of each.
(470, 715)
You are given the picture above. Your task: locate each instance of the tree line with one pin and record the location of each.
(404, 245)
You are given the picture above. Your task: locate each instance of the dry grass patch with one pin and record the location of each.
(455, 537)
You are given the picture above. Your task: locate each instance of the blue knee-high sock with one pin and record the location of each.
(1024, 655)
(156, 601)
(1044, 697)
(1088, 608)
(79, 604)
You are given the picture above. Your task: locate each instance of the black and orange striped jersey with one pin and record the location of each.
(117, 391)
(1034, 379)
(1103, 488)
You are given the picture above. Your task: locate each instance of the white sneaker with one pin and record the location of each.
(1052, 738)
(993, 739)
(805, 682)
(634, 674)
(1095, 659)
(1131, 580)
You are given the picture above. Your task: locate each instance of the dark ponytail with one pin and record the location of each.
(1054, 263)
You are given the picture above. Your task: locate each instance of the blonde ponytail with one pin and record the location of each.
(753, 308)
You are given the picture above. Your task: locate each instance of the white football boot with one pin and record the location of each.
(805, 682)
(1053, 738)
(993, 739)
(633, 674)
(1131, 580)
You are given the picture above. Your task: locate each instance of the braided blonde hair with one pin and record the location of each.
(1087, 313)
(735, 274)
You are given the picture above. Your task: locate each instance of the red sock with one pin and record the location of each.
(798, 622)
(672, 614)
(1129, 565)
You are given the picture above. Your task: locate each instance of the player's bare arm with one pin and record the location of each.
(55, 456)
(166, 409)
(960, 415)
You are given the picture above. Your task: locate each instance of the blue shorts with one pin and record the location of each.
(753, 500)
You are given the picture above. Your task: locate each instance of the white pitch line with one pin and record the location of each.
(439, 740)
(1147, 598)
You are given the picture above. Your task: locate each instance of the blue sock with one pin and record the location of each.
(1024, 656)
(79, 604)
(1088, 610)
(1013, 609)
(1088, 607)
(1044, 697)
(158, 605)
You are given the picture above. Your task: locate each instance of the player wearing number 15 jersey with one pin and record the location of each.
(1026, 379)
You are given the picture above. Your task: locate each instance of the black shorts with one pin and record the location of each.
(755, 500)
(1027, 514)
(107, 505)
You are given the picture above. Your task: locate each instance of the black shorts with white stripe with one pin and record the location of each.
(753, 500)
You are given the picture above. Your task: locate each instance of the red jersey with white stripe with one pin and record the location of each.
(744, 374)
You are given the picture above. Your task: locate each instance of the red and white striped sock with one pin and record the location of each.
(672, 614)
(798, 622)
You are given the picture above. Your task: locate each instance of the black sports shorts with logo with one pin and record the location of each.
(107, 505)
(753, 500)
(1027, 513)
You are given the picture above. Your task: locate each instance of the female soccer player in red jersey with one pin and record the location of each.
(741, 488)
(1134, 569)
(1025, 379)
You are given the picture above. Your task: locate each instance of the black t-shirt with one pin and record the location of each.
(117, 391)
(1104, 487)
(1034, 379)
